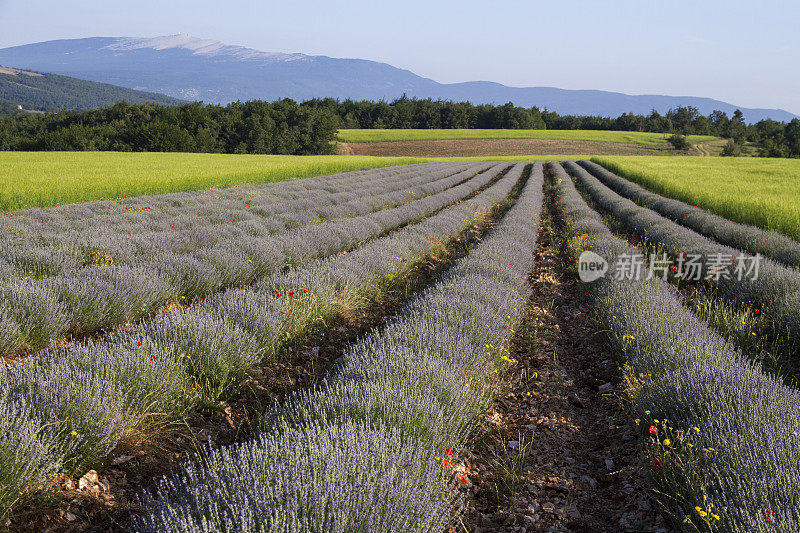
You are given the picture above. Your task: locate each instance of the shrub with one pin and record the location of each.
(679, 142)
(732, 149)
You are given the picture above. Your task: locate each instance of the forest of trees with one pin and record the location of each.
(281, 127)
(286, 127)
(426, 113)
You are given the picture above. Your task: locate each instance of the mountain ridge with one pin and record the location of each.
(188, 67)
(31, 91)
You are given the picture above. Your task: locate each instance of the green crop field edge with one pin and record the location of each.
(757, 191)
(629, 137)
(41, 179)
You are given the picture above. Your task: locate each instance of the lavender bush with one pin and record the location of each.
(319, 477)
(28, 451)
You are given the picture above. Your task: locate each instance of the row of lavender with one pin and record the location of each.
(68, 408)
(32, 314)
(44, 241)
(373, 447)
(775, 289)
(721, 434)
(742, 236)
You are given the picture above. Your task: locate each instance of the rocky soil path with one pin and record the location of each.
(557, 452)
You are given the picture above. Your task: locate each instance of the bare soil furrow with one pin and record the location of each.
(558, 453)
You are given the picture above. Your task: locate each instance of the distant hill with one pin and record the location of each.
(199, 69)
(36, 91)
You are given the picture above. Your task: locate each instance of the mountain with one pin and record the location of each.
(200, 69)
(35, 91)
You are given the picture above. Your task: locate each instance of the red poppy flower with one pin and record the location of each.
(152, 358)
(653, 430)
(446, 463)
(341, 290)
(463, 479)
(448, 451)
(291, 295)
(657, 463)
(138, 343)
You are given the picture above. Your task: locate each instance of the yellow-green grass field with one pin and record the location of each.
(757, 191)
(52, 178)
(630, 137)
(40, 179)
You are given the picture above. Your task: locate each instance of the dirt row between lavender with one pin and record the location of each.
(498, 147)
(557, 452)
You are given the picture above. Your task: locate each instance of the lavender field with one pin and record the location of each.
(344, 353)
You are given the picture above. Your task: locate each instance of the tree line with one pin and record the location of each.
(286, 127)
(776, 139)
(281, 127)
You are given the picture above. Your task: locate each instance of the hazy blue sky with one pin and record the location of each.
(746, 53)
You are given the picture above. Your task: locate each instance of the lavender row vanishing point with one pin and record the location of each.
(83, 399)
(734, 428)
(40, 242)
(32, 315)
(776, 289)
(369, 449)
(742, 236)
